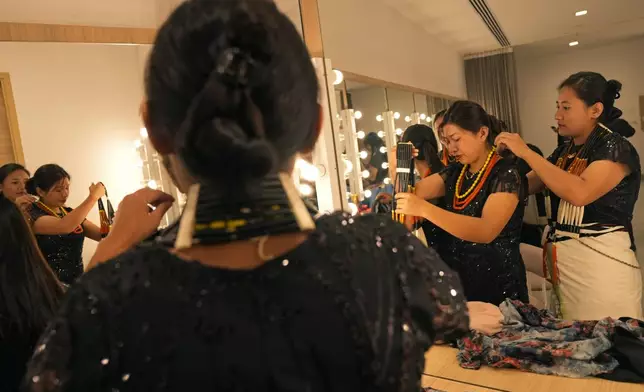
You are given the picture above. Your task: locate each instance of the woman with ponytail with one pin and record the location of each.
(593, 181)
(483, 210)
(246, 291)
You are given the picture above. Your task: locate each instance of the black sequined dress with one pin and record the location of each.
(353, 308)
(63, 252)
(495, 271)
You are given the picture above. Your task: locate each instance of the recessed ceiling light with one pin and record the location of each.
(573, 43)
(581, 13)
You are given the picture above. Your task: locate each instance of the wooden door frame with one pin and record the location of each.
(12, 118)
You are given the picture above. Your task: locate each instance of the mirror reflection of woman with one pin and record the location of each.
(483, 211)
(60, 230)
(13, 178)
(594, 182)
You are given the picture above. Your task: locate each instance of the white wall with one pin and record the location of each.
(77, 106)
(369, 38)
(539, 76)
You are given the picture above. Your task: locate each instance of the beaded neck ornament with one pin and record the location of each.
(211, 217)
(569, 217)
(462, 200)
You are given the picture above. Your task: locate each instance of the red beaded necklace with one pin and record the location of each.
(462, 200)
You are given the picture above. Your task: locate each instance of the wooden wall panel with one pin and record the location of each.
(35, 32)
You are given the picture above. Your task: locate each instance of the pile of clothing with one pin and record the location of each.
(534, 340)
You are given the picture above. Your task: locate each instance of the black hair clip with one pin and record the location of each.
(234, 66)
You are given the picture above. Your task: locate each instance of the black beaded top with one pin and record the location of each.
(616, 207)
(63, 252)
(353, 308)
(495, 271)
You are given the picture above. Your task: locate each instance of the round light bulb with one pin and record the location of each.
(407, 119)
(353, 209)
(399, 131)
(379, 118)
(365, 174)
(306, 190)
(429, 118)
(339, 77)
(138, 143)
(144, 133)
(308, 171)
(357, 115)
(364, 154)
(387, 181)
(423, 116)
(383, 150)
(381, 134)
(367, 193)
(152, 184)
(385, 165)
(360, 134)
(396, 115)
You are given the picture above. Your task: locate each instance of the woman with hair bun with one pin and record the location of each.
(594, 181)
(246, 292)
(483, 210)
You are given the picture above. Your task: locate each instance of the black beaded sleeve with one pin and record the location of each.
(449, 170)
(506, 180)
(616, 148)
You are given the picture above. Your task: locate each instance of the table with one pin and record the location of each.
(443, 372)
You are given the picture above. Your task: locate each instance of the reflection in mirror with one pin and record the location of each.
(370, 167)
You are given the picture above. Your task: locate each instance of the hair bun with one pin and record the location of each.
(622, 127)
(613, 87)
(220, 150)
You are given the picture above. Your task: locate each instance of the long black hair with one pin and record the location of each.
(592, 87)
(424, 140)
(232, 86)
(9, 168)
(471, 116)
(46, 177)
(29, 290)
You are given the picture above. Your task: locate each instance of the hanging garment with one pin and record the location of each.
(534, 340)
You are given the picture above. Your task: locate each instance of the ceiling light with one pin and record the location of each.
(573, 43)
(357, 115)
(581, 13)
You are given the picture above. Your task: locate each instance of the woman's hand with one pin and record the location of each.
(25, 202)
(410, 204)
(97, 191)
(134, 222)
(512, 142)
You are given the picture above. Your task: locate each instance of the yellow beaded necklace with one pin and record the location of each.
(459, 182)
(46, 208)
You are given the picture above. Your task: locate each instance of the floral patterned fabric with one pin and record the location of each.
(534, 340)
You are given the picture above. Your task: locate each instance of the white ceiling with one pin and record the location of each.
(538, 24)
